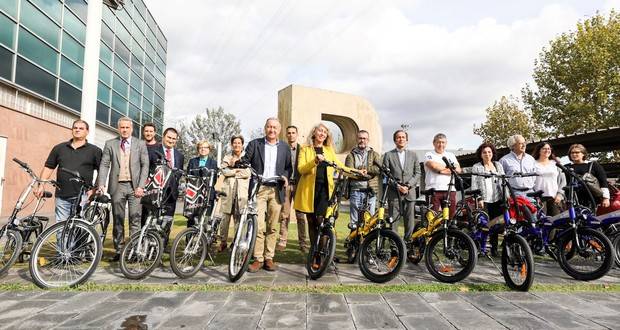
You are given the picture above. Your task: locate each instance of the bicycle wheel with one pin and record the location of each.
(517, 263)
(382, 255)
(141, 255)
(616, 244)
(450, 255)
(97, 217)
(243, 247)
(592, 254)
(188, 253)
(321, 256)
(10, 247)
(66, 254)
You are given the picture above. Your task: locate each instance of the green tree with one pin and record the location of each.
(504, 119)
(577, 78)
(214, 125)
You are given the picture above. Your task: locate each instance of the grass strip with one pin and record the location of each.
(336, 288)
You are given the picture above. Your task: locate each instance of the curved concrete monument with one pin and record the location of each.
(304, 107)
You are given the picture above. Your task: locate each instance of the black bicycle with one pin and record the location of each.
(191, 246)
(18, 235)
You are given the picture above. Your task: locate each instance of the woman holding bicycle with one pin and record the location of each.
(578, 155)
(550, 178)
(316, 183)
(236, 184)
(490, 189)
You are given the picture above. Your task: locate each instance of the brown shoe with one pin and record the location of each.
(255, 266)
(280, 247)
(270, 265)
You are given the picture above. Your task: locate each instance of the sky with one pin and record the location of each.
(433, 65)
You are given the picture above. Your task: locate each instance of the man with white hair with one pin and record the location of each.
(517, 161)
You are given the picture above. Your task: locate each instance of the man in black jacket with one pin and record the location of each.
(271, 158)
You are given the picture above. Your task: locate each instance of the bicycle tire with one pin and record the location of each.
(517, 258)
(182, 241)
(458, 241)
(596, 241)
(385, 257)
(243, 248)
(616, 244)
(85, 243)
(97, 217)
(325, 252)
(151, 253)
(11, 239)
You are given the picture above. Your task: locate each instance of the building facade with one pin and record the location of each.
(42, 64)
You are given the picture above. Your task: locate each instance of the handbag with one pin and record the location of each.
(592, 183)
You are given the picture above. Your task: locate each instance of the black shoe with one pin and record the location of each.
(115, 258)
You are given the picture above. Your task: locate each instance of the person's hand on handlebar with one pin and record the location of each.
(139, 192)
(38, 191)
(319, 158)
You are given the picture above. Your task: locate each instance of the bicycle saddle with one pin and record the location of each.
(535, 194)
(475, 192)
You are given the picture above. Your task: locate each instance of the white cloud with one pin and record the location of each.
(436, 76)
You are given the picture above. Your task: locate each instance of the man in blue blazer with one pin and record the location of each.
(271, 158)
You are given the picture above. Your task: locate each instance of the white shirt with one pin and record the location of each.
(433, 179)
(401, 157)
(547, 179)
(271, 157)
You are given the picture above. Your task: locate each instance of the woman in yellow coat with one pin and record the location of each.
(316, 183)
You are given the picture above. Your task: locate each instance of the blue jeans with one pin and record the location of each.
(63, 208)
(356, 202)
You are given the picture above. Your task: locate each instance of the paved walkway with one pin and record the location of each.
(250, 310)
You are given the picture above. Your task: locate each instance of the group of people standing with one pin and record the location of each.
(297, 177)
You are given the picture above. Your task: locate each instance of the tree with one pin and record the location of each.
(214, 125)
(577, 78)
(504, 119)
(256, 133)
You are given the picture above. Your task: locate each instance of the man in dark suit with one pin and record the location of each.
(291, 136)
(154, 150)
(404, 165)
(126, 161)
(272, 159)
(175, 160)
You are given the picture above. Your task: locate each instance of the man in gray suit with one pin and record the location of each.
(404, 165)
(126, 160)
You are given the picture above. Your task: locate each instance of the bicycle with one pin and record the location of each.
(381, 251)
(68, 252)
(449, 254)
(144, 250)
(17, 235)
(517, 260)
(247, 226)
(190, 247)
(572, 237)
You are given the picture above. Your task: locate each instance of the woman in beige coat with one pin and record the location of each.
(236, 184)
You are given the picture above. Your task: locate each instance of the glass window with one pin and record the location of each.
(6, 63)
(71, 72)
(107, 35)
(121, 50)
(134, 97)
(140, 7)
(40, 24)
(50, 7)
(35, 79)
(121, 68)
(69, 96)
(147, 106)
(134, 113)
(114, 117)
(103, 93)
(136, 81)
(74, 26)
(108, 16)
(121, 29)
(79, 7)
(119, 103)
(159, 89)
(7, 31)
(148, 93)
(158, 115)
(119, 85)
(136, 65)
(159, 102)
(148, 78)
(105, 54)
(37, 51)
(9, 7)
(72, 49)
(105, 74)
(146, 118)
(161, 79)
(103, 113)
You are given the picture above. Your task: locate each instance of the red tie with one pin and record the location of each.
(169, 157)
(123, 141)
